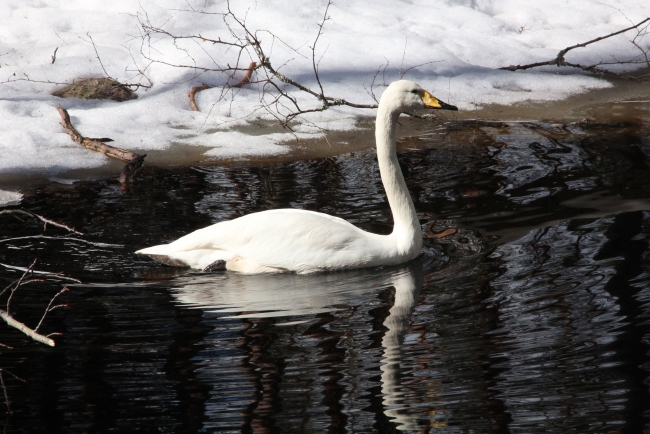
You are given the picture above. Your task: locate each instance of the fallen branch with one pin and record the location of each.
(560, 60)
(134, 161)
(26, 330)
(194, 91)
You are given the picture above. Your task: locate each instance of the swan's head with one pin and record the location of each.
(406, 96)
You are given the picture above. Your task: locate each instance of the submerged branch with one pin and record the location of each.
(41, 273)
(41, 218)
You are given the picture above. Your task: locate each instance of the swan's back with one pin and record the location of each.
(278, 240)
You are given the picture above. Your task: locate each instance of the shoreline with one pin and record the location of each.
(626, 103)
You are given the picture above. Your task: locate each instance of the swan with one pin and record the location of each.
(300, 241)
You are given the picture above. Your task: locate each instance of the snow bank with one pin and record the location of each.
(457, 43)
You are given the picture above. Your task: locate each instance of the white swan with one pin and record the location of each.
(292, 240)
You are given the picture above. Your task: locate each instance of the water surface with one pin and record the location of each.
(531, 315)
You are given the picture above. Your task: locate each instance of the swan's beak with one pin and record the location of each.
(432, 102)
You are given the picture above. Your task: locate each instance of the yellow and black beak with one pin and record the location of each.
(432, 102)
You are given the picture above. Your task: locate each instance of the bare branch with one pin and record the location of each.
(26, 330)
(596, 68)
(401, 74)
(371, 91)
(313, 48)
(12, 78)
(275, 98)
(4, 387)
(12, 322)
(134, 86)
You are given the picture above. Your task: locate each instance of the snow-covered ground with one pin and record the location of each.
(457, 43)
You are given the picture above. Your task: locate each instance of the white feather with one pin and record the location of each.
(292, 240)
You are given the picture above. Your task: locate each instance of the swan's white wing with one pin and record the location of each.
(287, 239)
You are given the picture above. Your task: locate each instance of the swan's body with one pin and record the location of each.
(292, 240)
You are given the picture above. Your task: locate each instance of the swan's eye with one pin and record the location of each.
(414, 91)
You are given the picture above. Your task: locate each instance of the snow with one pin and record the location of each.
(450, 47)
(9, 198)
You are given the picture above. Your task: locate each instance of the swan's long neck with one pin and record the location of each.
(407, 231)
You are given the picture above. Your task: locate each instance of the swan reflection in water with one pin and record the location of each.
(251, 297)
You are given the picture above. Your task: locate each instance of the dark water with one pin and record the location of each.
(533, 317)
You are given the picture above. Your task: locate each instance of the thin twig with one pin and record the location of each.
(49, 308)
(4, 387)
(97, 55)
(12, 79)
(12, 322)
(313, 49)
(20, 281)
(4, 390)
(401, 74)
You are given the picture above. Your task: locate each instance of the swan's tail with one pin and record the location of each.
(161, 249)
(194, 258)
(163, 254)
